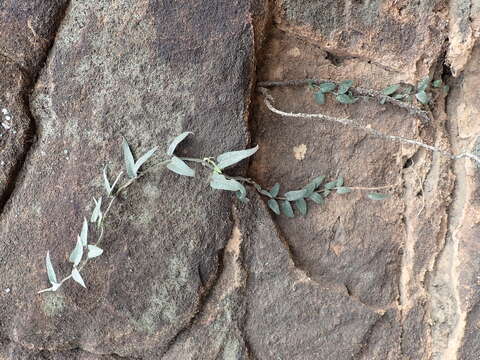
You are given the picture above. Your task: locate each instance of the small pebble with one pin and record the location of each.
(4, 111)
(8, 118)
(7, 290)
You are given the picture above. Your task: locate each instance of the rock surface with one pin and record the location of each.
(190, 273)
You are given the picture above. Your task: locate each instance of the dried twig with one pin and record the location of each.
(424, 115)
(355, 124)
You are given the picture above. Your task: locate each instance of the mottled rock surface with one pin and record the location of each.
(190, 273)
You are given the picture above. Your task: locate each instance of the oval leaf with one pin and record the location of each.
(301, 206)
(52, 277)
(317, 198)
(129, 160)
(327, 87)
(390, 89)
(220, 182)
(179, 167)
(295, 195)
(231, 158)
(273, 204)
(173, 145)
(287, 209)
(320, 98)
(318, 181)
(94, 251)
(344, 86)
(422, 96)
(275, 189)
(423, 85)
(77, 253)
(346, 99)
(437, 83)
(378, 196)
(77, 277)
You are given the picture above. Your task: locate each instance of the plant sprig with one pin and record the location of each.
(84, 250)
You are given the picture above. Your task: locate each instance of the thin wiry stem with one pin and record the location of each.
(425, 116)
(355, 124)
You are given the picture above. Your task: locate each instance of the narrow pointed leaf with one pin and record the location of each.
(106, 183)
(77, 253)
(287, 209)
(301, 206)
(52, 277)
(84, 233)
(273, 205)
(77, 277)
(317, 198)
(390, 89)
(129, 160)
(378, 196)
(173, 145)
(180, 167)
(340, 181)
(231, 158)
(275, 189)
(94, 251)
(144, 158)
(266, 193)
(97, 210)
(295, 195)
(344, 86)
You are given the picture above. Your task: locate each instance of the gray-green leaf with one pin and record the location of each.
(230, 158)
(346, 99)
(275, 189)
(423, 85)
(52, 277)
(320, 98)
(377, 196)
(144, 158)
(437, 83)
(129, 160)
(327, 87)
(309, 189)
(331, 184)
(390, 89)
(422, 97)
(318, 180)
(179, 167)
(97, 213)
(94, 251)
(77, 277)
(77, 253)
(173, 145)
(344, 86)
(109, 188)
(273, 204)
(340, 181)
(295, 195)
(84, 233)
(301, 206)
(220, 182)
(343, 190)
(317, 198)
(287, 209)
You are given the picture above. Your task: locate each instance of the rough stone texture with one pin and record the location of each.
(187, 272)
(403, 36)
(121, 69)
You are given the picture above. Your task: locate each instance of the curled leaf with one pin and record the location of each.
(144, 158)
(52, 277)
(97, 213)
(77, 253)
(173, 145)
